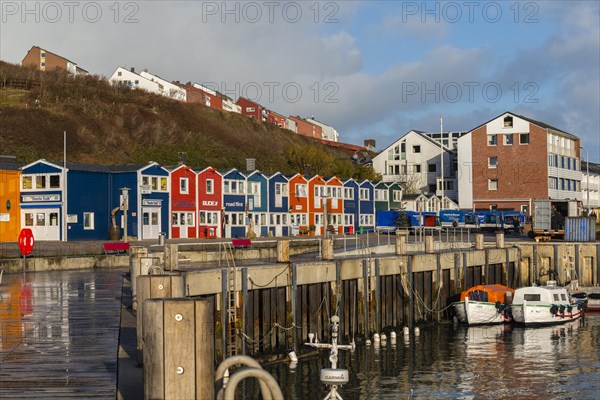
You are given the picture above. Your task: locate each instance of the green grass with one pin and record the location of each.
(109, 125)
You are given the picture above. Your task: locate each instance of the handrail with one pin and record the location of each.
(232, 362)
(265, 379)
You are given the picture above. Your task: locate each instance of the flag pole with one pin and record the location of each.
(442, 157)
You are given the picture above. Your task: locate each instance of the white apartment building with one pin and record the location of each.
(415, 161)
(166, 88)
(132, 80)
(329, 132)
(590, 186)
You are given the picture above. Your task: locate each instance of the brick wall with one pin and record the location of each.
(522, 170)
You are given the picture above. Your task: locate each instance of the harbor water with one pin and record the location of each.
(59, 335)
(460, 362)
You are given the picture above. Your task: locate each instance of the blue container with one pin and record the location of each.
(580, 229)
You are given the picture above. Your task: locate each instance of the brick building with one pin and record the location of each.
(512, 160)
(252, 109)
(45, 60)
(305, 128)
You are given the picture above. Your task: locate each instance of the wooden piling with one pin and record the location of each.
(178, 349)
(327, 249)
(139, 264)
(479, 241)
(500, 240)
(401, 247)
(429, 244)
(155, 287)
(283, 251)
(171, 257)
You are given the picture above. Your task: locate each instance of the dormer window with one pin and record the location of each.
(508, 121)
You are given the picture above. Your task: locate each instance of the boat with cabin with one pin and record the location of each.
(484, 304)
(550, 304)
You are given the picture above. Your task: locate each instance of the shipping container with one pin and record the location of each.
(580, 229)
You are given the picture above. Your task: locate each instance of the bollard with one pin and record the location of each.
(479, 241)
(139, 264)
(155, 287)
(178, 339)
(283, 251)
(171, 257)
(401, 247)
(429, 244)
(500, 240)
(327, 249)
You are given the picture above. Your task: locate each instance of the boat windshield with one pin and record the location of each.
(478, 295)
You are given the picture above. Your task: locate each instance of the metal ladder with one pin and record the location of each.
(231, 300)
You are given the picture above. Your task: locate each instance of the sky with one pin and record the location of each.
(372, 69)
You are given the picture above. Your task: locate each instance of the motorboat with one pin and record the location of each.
(550, 304)
(484, 304)
(590, 294)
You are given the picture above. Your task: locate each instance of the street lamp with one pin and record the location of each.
(587, 164)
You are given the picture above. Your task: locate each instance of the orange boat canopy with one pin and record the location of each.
(489, 293)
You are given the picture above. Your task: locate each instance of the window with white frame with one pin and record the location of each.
(301, 190)
(508, 139)
(157, 183)
(349, 219)
(381, 195)
(233, 186)
(183, 185)
(40, 182)
(88, 221)
(416, 149)
(492, 184)
(364, 194)
(492, 140)
(524, 138)
(349, 193)
(397, 195)
(492, 162)
(210, 186)
(209, 217)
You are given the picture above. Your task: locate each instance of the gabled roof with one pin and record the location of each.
(542, 125)
(199, 171)
(421, 134)
(173, 168)
(286, 177)
(256, 172)
(51, 52)
(230, 171)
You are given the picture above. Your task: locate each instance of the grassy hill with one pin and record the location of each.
(109, 125)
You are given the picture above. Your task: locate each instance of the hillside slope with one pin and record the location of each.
(107, 125)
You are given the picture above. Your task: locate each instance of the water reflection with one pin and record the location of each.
(59, 334)
(486, 362)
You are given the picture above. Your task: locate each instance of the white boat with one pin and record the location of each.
(484, 304)
(548, 304)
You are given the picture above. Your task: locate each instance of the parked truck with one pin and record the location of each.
(549, 217)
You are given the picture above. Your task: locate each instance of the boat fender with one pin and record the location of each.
(570, 309)
(562, 309)
(553, 309)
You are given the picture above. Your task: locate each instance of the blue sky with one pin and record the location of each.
(373, 69)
